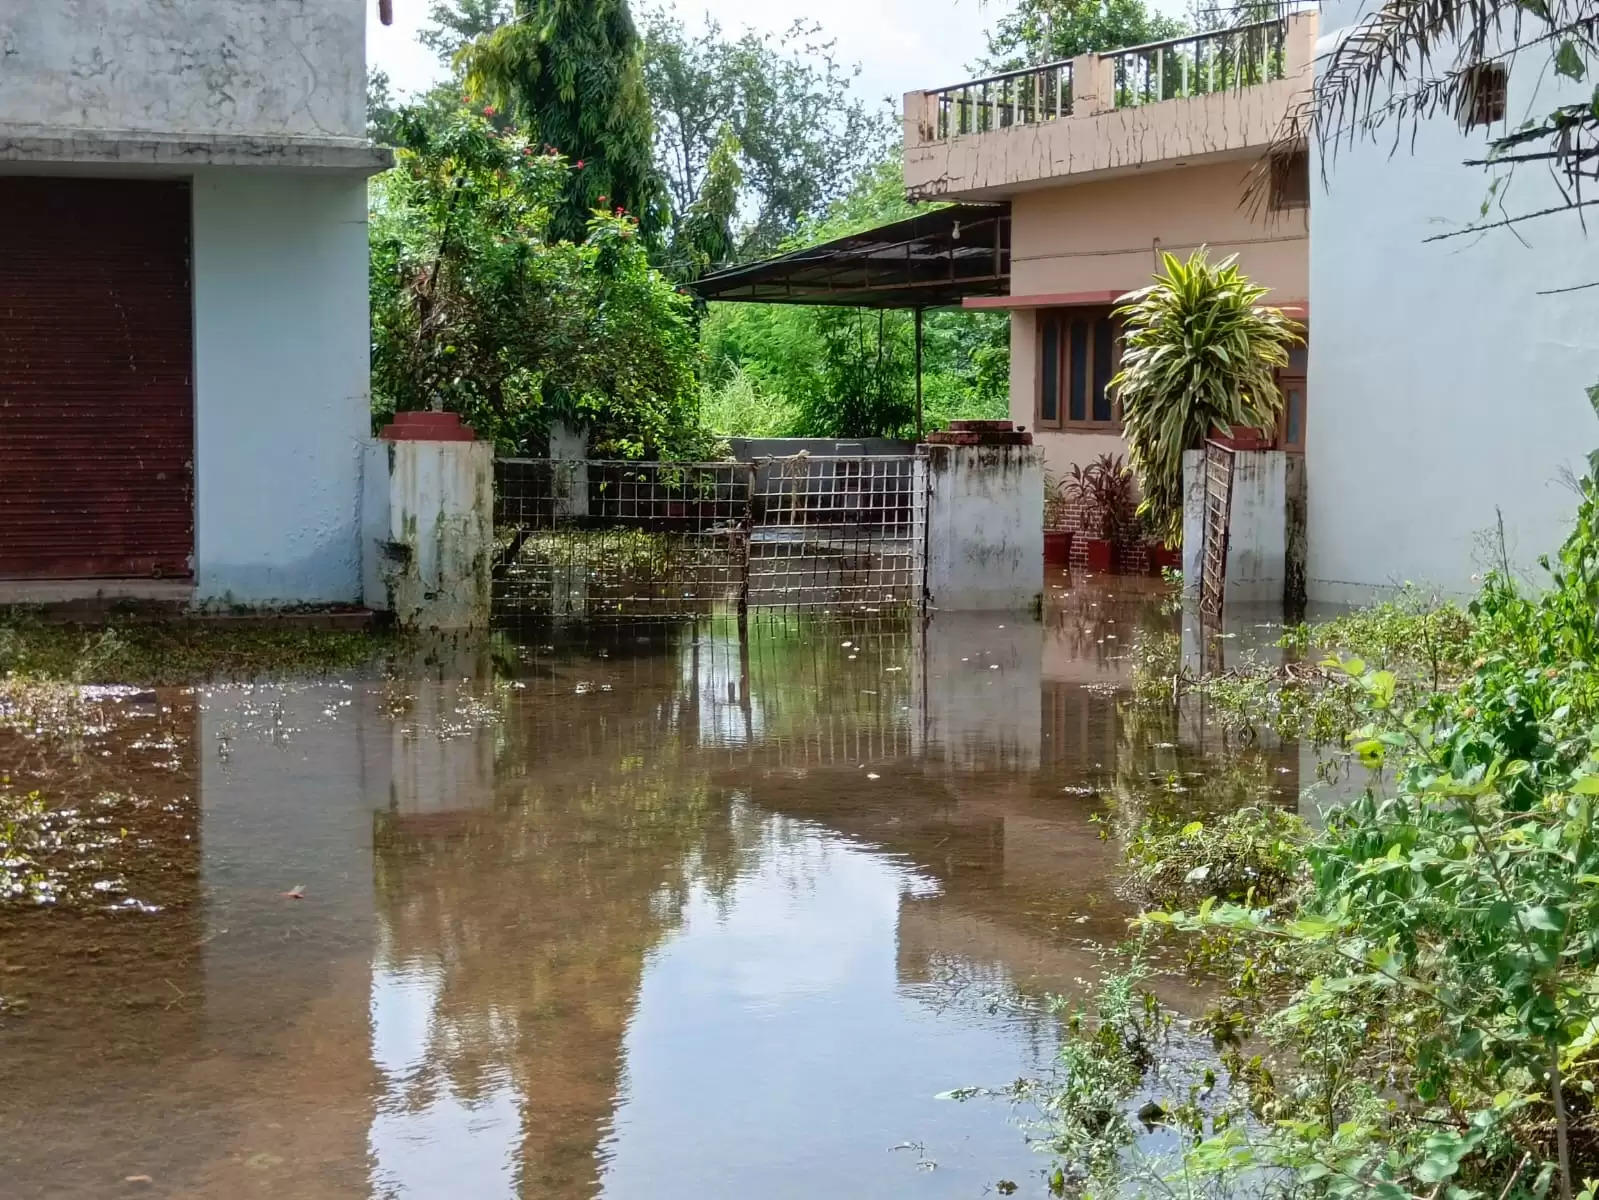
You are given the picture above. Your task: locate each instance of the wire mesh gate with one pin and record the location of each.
(666, 539)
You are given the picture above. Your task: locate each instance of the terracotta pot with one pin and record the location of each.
(1057, 547)
(1101, 555)
(1165, 556)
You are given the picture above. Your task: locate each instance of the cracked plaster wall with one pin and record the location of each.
(271, 68)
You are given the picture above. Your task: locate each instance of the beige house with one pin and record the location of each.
(1105, 161)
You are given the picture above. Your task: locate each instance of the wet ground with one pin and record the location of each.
(629, 913)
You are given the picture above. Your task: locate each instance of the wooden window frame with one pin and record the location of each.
(1063, 318)
(1484, 98)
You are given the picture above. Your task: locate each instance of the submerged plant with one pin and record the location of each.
(1199, 351)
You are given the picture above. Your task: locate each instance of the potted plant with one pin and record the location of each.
(1057, 535)
(1105, 492)
(1200, 353)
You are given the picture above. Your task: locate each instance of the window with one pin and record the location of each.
(1482, 99)
(1078, 351)
(1290, 181)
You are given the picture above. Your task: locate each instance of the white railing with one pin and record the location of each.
(1178, 68)
(1029, 96)
(1198, 64)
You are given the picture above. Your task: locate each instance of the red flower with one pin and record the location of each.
(580, 164)
(489, 110)
(603, 201)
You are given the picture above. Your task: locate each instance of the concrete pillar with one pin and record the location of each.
(1093, 85)
(1266, 543)
(428, 522)
(985, 528)
(569, 452)
(920, 119)
(1193, 520)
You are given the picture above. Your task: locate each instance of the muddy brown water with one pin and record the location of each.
(637, 913)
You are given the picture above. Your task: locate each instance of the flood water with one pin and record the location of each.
(627, 913)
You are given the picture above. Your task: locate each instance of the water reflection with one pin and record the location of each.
(648, 912)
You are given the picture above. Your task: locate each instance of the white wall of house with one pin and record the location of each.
(252, 67)
(1444, 391)
(281, 379)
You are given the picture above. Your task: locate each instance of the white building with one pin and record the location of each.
(183, 298)
(1448, 391)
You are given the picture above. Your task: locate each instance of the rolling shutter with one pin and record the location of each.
(96, 379)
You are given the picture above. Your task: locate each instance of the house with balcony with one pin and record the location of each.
(1103, 162)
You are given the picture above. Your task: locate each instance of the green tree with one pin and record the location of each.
(799, 133)
(478, 307)
(457, 23)
(1037, 31)
(842, 372)
(1199, 351)
(570, 73)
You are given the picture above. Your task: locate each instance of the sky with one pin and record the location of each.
(901, 45)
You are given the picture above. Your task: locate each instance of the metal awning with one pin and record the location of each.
(932, 260)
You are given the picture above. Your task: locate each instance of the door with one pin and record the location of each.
(96, 379)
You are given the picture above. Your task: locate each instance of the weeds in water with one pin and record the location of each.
(176, 652)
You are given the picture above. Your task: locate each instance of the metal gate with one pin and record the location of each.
(1218, 509)
(596, 538)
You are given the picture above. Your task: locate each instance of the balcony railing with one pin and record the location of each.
(1030, 96)
(1198, 65)
(1178, 68)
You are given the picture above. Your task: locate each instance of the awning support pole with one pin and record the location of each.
(919, 429)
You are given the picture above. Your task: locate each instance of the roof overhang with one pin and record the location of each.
(935, 259)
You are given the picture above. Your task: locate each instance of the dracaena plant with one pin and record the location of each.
(1199, 351)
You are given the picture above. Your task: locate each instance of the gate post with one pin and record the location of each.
(985, 519)
(428, 523)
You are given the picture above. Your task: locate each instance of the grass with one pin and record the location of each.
(173, 653)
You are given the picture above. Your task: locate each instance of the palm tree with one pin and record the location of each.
(1198, 352)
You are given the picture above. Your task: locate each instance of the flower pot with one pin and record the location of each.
(1101, 555)
(1162, 557)
(1057, 547)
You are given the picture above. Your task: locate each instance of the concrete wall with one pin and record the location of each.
(1443, 389)
(281, 378)
(281, 68)
(1096, 139)
(1265, 543)
(985, 541)
(430, 533)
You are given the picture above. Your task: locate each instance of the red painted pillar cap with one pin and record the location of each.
(428, 427)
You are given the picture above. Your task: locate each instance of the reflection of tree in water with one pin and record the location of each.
(536, 912)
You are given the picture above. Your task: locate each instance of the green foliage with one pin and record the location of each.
(1248, 856)
(1105, 491)
(784, 108)
(1198, 352)
(1037, 31)
(477, 307)
(1445, 944)
(570, 72)
(851, 373)
(739, 406)
(37, 656)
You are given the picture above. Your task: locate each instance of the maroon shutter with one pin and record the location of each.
(96, 379)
